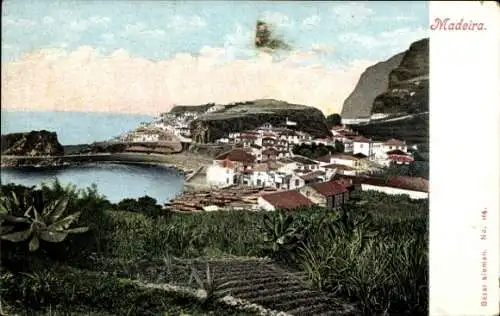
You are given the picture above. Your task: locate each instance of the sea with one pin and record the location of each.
(115, 181)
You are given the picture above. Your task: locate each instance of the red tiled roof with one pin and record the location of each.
(345, 157)
(401, 158)
(340, 167)
(270, 151)
(397, 182)
(312, 175)
(287, 199)
(325, 158)
(268, 138)
(304, 160)
(360, 156)
(394, 142)
(239, 155)
(397, 152)
(248, 136)
(409, 183)
(329, 188)
(361, 139)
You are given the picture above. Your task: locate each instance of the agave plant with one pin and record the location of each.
(48, 223)
(212, 289)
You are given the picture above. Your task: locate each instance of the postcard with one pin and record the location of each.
(250, 158)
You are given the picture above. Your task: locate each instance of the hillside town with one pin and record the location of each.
(264, 158)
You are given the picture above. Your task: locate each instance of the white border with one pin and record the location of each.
(464, 156)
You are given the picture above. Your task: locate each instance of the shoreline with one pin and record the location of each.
(186, 163)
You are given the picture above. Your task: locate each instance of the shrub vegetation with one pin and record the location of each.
(373, 252)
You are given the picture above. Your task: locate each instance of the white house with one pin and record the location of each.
(290, 123)
(378, 116)
(340, 159)
(393, 144)
(261, 179)
(289, 137)
(287, 165)
(223, 140)
(145, 137)
(220, 176)
(256, 151)
(217, 107)
(296, 182)
(321, 141)
(333, 169)
(348, 145)
(362, 145)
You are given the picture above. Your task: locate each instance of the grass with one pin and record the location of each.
(372, 255)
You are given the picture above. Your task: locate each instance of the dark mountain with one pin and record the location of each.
(248, 115)
(402, 108)
(373, 82)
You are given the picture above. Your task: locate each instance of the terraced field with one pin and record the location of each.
(256, 281)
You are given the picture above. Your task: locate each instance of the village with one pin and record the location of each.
(262, 172)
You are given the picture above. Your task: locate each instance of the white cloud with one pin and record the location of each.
(311, 21)
(239, 43)
(322, 48)
(277, 19)
(108, 37)
(48, 20)
(395, 39)
(182, 23)
(84, 24)
(139, 29)
(351, 13)
(156, 33)
(86, 80)
(23, 23)
(401, 18)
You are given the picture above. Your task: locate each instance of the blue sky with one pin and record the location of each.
(160, 29)
(174, 52)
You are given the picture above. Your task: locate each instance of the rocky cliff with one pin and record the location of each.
(252, 114)
(408, 89)
(403, 106)
(396, 86)
(34, 143)
(373, 82)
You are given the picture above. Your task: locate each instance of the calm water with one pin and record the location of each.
(116, 182)
(72, 127)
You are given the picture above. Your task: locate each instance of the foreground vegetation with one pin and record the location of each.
(373, 253)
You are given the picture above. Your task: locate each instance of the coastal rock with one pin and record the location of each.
(408, 90)
(248, 115)
(373, 82)
(34, 143)
(402, 109)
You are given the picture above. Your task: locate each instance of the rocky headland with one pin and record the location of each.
(248, 115)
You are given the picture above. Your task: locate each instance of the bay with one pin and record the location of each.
(115, 181)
